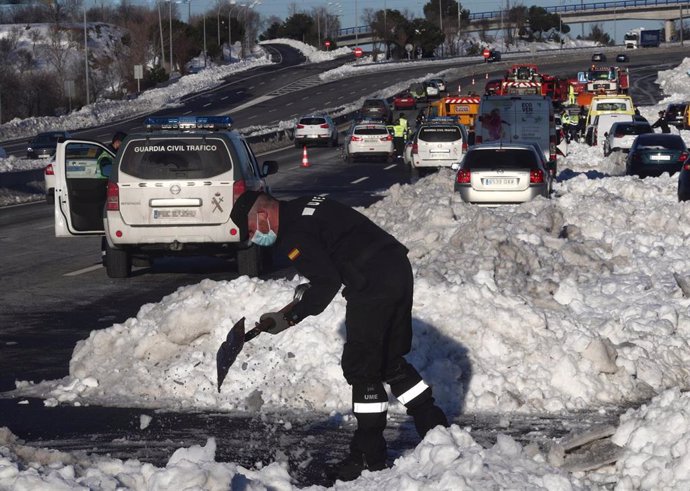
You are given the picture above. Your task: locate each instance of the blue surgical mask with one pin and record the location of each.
(264, 239)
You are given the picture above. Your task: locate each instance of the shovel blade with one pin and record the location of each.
(229, 349)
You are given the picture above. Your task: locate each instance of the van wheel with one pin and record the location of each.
(118, 262)
(249, 261)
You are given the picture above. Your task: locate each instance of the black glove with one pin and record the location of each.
(275, 322)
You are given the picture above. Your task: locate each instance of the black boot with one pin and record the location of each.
(427, 416)
(367, 452)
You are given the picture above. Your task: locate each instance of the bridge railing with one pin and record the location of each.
(559, 9)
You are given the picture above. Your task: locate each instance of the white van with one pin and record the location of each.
(517, 119)
(602, 125)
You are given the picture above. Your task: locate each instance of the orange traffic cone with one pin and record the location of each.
(305, 159)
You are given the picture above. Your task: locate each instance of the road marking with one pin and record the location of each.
(188, 112)
(305, 98)
(95, 267)
(289, 104)
(251, 87)
(390, 166)
(252, 116)
(341, 97)
(207, 104)
(223, 98)
(361, 179)
(46, 226)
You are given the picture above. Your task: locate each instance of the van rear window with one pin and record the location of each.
(611, 106)
(500, 158)
(440, 134)
(176, 158)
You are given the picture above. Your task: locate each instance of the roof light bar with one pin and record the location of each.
(188, 123)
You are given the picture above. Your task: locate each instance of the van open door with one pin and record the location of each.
(81, 171)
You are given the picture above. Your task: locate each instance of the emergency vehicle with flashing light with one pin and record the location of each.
(167, 191)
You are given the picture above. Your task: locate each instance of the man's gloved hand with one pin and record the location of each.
(275, 322)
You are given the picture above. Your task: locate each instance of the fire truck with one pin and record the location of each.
(523, 73)
(599, 80)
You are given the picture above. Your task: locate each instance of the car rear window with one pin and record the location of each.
(672, 142)
(440, 134)
(312, 121)
(371, 131)
(502, 158)
(176, 158)
(374, 104)
(633, 129)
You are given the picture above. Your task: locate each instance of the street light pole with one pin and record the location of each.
(160, 28)
(356, 22)
(232, 4)
(440, 22)
(86, 59)
(170, 26)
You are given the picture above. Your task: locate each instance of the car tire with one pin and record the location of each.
(249, 261)
(118, 262)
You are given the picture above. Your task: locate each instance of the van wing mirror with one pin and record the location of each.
(269, 167)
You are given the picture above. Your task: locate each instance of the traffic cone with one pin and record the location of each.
(472, 80)
(487, 75)
(305, 159)
(459, 89)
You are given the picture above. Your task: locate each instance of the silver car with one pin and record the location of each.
(622, 135)
(493, 174)
(369, 139)
(316, 128)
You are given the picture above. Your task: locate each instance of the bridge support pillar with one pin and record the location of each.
(670, 30)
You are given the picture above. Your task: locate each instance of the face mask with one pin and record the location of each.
(264, 239)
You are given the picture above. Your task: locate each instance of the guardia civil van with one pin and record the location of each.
(167, 191)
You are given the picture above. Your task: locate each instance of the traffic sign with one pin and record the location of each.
(327, 43)
(358, 52)
(486, 53)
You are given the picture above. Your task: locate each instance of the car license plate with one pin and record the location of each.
(174, 213)
(313, 136)
(660, 157)
(500, 181)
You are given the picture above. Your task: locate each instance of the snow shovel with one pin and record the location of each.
(231, 347)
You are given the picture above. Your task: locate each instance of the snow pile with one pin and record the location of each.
(311, 53)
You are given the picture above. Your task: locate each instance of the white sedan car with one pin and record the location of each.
(622, 135)
(369, 139)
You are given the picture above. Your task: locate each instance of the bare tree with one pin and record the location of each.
(57, 52)
(36, 37)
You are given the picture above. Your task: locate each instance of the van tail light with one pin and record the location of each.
(387, 138)
(683, 157)
(415, 149)
(478, 139)
(464, 176)
(112, 197)
(354, 138)
(536, 176)
(238, 187)
(325, 125)
(464, 146)
(48, 171)
(300, 126)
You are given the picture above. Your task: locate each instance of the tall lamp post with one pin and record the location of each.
(232, 5)
(170, 27)
(86, 58)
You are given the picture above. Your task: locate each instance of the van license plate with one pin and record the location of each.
(174, 214)
(500, 181)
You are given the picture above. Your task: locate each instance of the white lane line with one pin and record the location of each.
(224, 97)
(207, 104)
(289, 104)
(252, 116)
(95, 267)
(188, 112)
(305, 98)
(46, 226)
(361, 179)
(392, 166)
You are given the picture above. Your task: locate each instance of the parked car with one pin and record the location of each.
(438, 142)
(377, 109)
(169, 192)
(598, 56)
(404, 100)
(675, 114)
(432, 90)
(316, 128)
(43, 145)
(440, 83)
(653, 154)
(498, 173)
(622, 58)
(369, 140)
(621, 136)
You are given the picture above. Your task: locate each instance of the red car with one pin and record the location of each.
(404, 100)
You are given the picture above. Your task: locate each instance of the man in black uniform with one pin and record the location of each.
(331, 245)
(662, 123)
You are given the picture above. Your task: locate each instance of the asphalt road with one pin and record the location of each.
(55, 292)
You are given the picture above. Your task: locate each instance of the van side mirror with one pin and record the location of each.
(269, 167)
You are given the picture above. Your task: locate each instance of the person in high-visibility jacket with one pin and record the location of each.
(571, 94)
(399, 130)
(403, 121)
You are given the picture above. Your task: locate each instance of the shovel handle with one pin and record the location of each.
(262, 326)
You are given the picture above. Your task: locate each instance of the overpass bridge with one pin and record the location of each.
(662, 10)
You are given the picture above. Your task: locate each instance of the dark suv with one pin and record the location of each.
(675, 114)
(378, 109)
